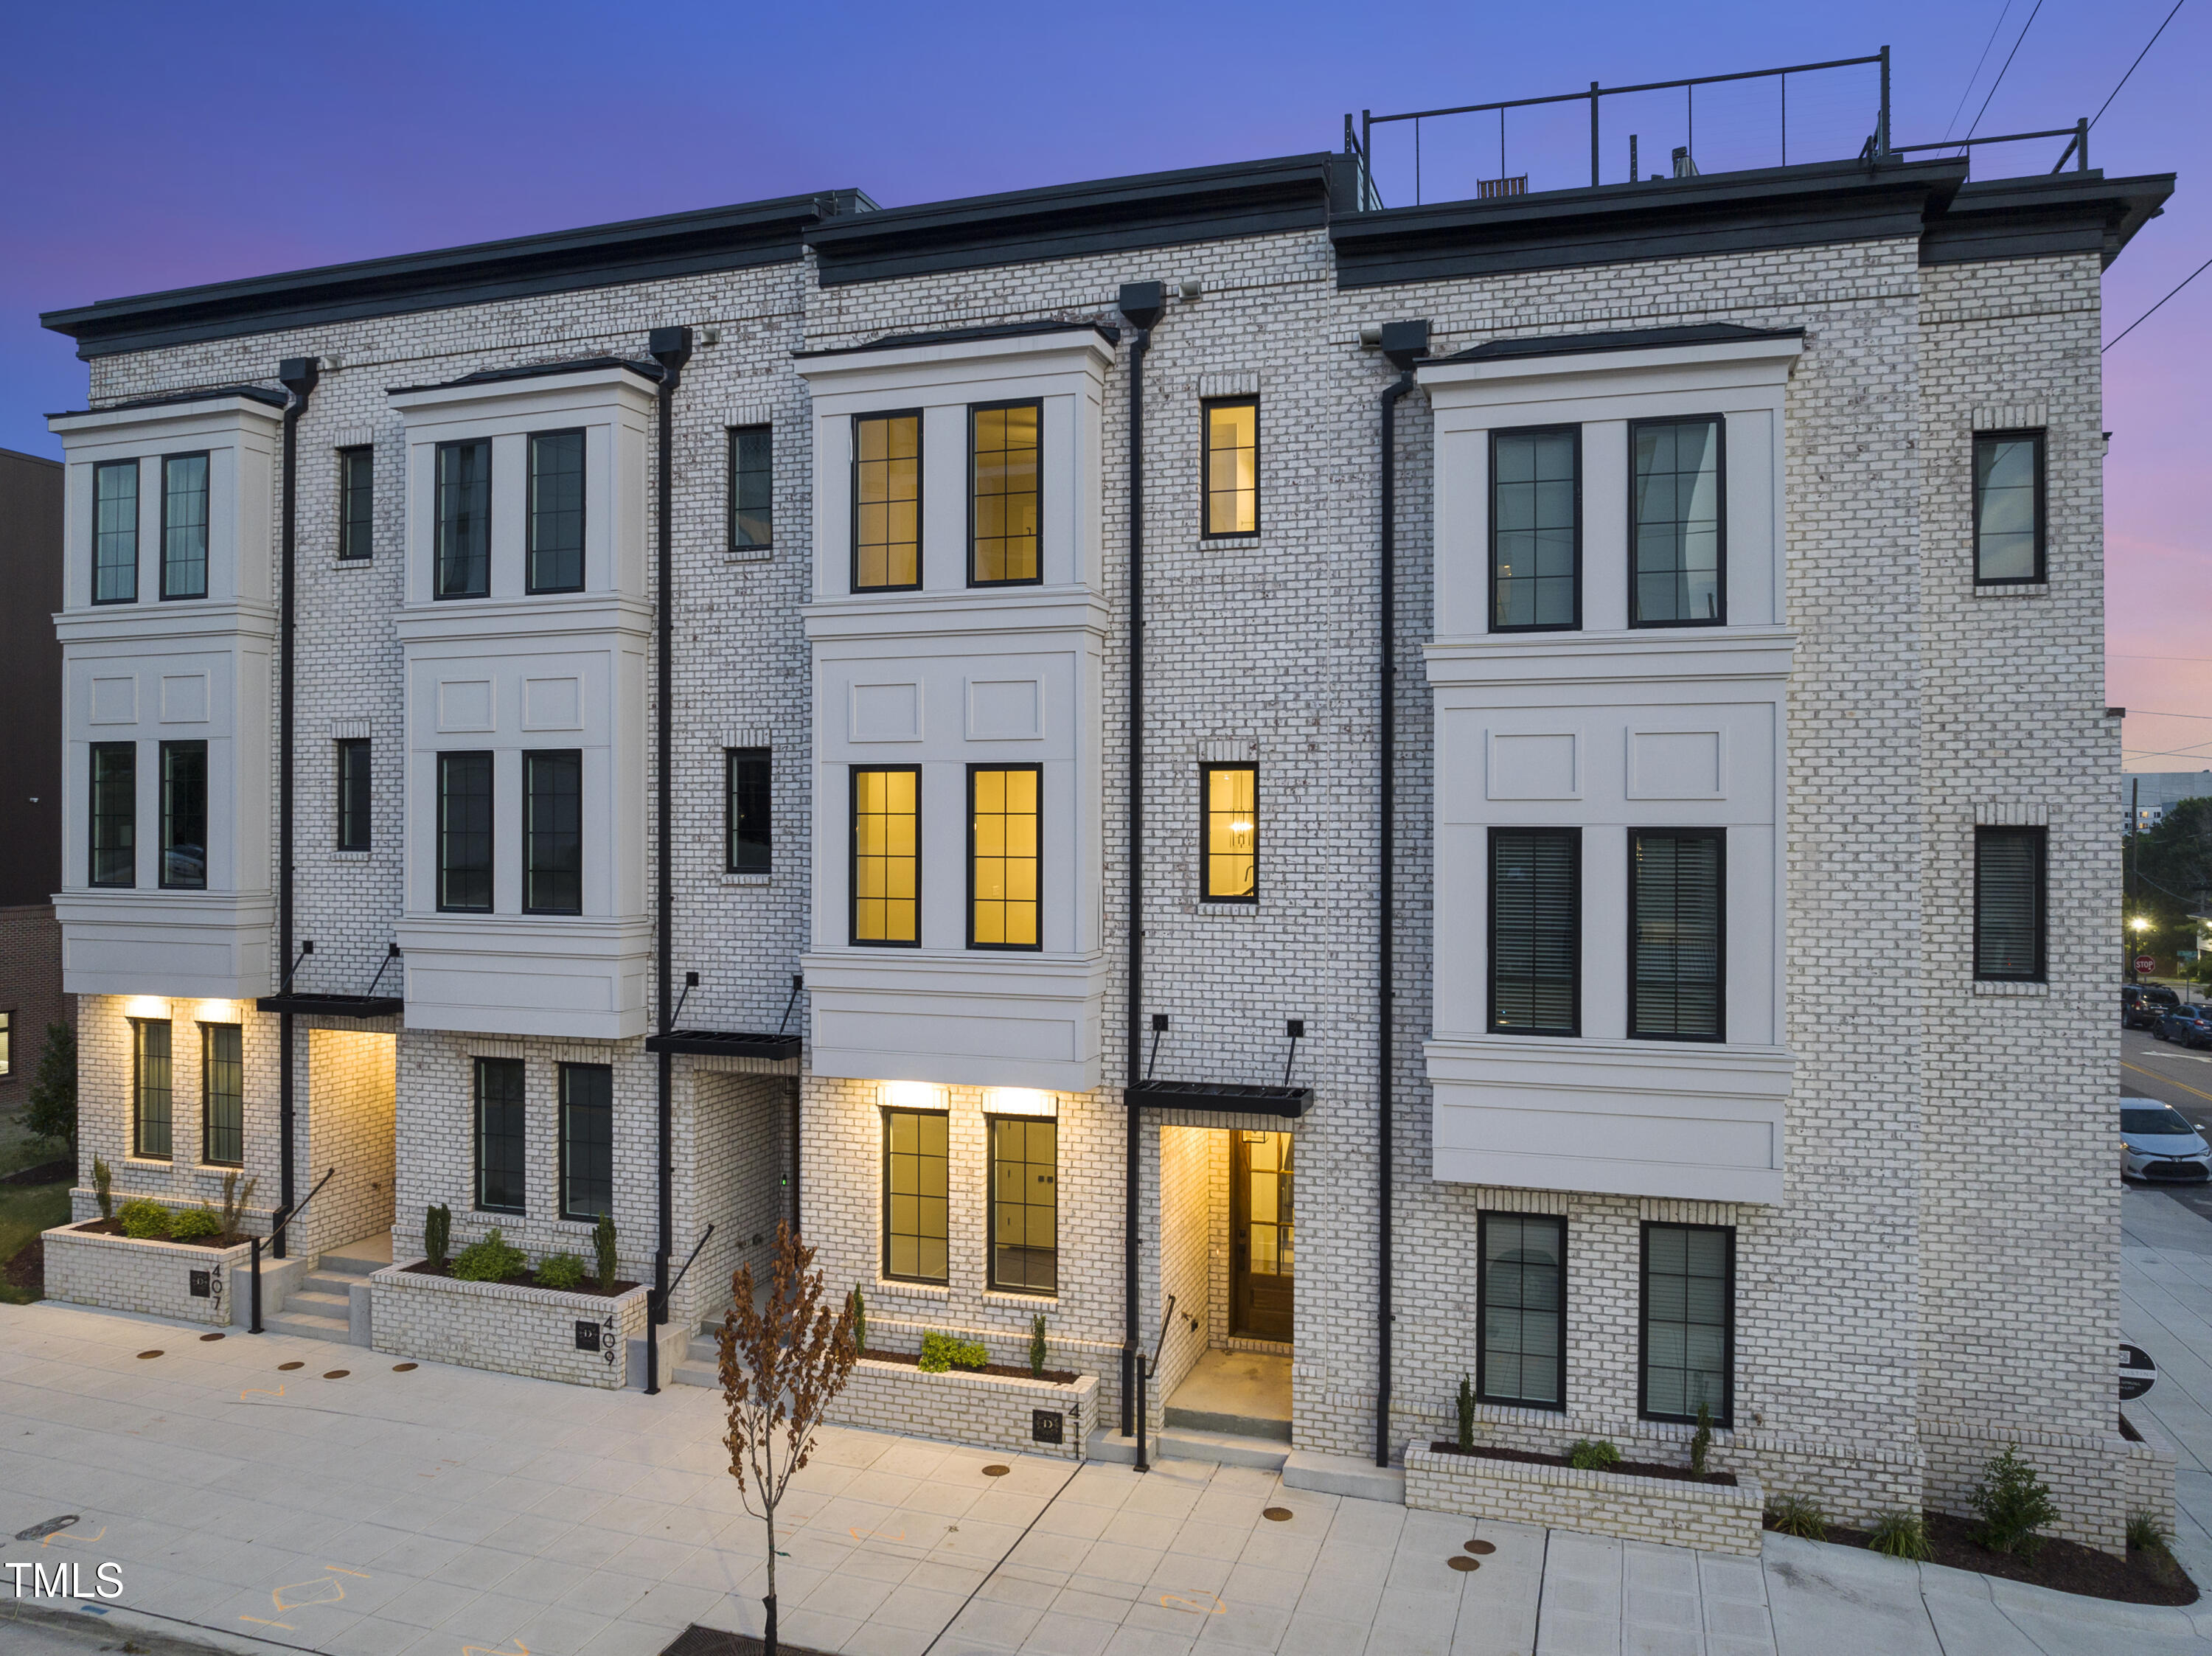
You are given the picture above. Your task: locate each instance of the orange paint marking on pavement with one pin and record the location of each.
(860, 1534)
(258, 1622)
(520, 1649)
(1209, 1607)
(75, 1540)
(259, 1391)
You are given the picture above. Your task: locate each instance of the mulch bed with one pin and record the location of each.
(28, 1268)
(1630, 1468)
(528, 1279)
(2143, 1577)
(913, 1360)
(114, 1228)
(46, 1173)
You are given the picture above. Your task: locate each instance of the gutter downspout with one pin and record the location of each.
(1142, 302)
(298, 375)
(671, 349)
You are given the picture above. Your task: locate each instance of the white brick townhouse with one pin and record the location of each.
(918, 719)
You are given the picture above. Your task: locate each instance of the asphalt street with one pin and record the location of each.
(2151, 1068)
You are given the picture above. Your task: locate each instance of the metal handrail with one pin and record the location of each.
(2076, 150)
(1147, 1367)
(701, 1243)
(276, 1231)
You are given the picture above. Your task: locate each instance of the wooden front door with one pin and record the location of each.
(1262, 1230)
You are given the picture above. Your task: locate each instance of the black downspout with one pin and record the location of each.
(1142, 302)
(298, 375)
(671, 349)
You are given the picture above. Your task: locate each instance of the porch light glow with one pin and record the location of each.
(145, 1006)
(913, 1095)
(1018, 1100)
(217, 1012)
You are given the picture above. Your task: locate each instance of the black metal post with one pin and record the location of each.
(254, 1327)
(298, 375)
(1593, 135)
(1881, 144)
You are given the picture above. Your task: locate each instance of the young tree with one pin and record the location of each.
(781, 1365)
(50, 1110)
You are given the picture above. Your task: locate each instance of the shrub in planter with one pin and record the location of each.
(561, 1271)
(1602, 1456)
(147, 1221)
(859, 1321)
(1800, 1515)
(233, 1205)
(1701, 1445)
(2013, 1504)
(492, 1260)
(193, 1223)
(2146, 1533)
(603, 1250)
(1037, 1350)
(942, 1351)
(1465, 1404)
(1901, 1535)
(103, 1182)
(437, 1234)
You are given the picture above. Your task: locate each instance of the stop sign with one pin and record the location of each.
(2144, 962)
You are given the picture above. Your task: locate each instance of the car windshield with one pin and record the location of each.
(2161, 997)
(2155, 1123)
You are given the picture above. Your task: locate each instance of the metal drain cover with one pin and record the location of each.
(1278, 1514)
(1462, 1562)
(1484, 1548)
(51, 1526)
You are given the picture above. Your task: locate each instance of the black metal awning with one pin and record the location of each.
(724, 1043)
(335, 1006)
(1288, 1103)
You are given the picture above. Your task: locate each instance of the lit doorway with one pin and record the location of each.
(1262, 1233)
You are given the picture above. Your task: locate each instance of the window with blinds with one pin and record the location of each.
(1677, 931)
(1536, 917)
(223, 1095)
(2008, 904)
(1688, 1343)
(1520, 1342)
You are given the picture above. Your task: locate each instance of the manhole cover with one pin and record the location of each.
(142, 1354)
(1463, 1563)
(996, 1472)
(1279, 1514)
(337, 1373)
(204, 1338)
(1482, 1548)
(51, 1526)
(287, 1367)
(402, 1368)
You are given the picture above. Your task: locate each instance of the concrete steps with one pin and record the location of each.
(1181, 1443)
(320, 1305)
(701, 1360)
(1226, 1424)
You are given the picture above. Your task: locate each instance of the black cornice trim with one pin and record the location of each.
(893, 342)
(646, 371)
(2057, 213)
(275, 399)
(1632, 339)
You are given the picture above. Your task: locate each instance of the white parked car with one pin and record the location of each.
(2158, 1144)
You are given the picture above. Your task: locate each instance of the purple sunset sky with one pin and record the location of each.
(158, 148)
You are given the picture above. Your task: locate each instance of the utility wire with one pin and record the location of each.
(2130, 329)
(2137, 64)
(2122, 655)
(1967, 90)
(2009, 56)
(2147, 713)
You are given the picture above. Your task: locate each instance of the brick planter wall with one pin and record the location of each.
(500, 1326)
(992, 1411)
(1711, 1516)
(124, 1274)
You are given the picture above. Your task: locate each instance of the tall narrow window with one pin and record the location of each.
(115, 532)
(7, 1041)
(465, 832)
(886, 502)
(499, 1135)
(1002, 856)
(185, 526)
(556, 512)
(1677, 928)
(149, 1088)
(1231, 852)
(356, 503)
(184, 815)
(354, 794)
(752, 488)
(223, 1096)
(915, 1195)
(1232, 466)
(1689, 1323)
(1536, 920)
(464, 520)
(588, 1141)
(2008, 904)
(1004, 502)
(114, 814)
(2008, 501)
(887, 854)
(745, 794)
(553, 832)
(1535, 530)
(1676, 524)
(1521, 1349)
(1025, 1204)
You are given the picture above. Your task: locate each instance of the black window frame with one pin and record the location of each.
(920, 497)
(992, 1281)
(445, 872)
(2040, 436)
(568, 1106)
(2040, 837)
(480, 1067)
(1483, 1393)
(1719, 423)
(1718, 835)
(853, 772)
(974, 408)
(357, 504)
(1490, 511)
(439, 560)
(1573, 837)
(355, 762)
(531, 584)
(172, 821)
(1205, 892)
(208, 1127)
(206, 525)
(974, 771)
(748, 797)
(1725, 1415)
(94, 816)
(138, 1089)
(536, 838)
(1206, 530)
(7, 1041)
(735, 505)
(136, 469)
(884, 1262)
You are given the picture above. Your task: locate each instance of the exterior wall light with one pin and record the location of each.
(145, 1006)
(913, 1095)
(1019, 1101)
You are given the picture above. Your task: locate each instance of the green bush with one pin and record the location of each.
(2146, 1533)
(144, 1220)
(50, 1110)
(603, 1250)
(1901, 1535)
(193, 1223)
(942, 1351)
(859, 1321)
(492, 1260)
(561, 1270)
(103, 1180)
(2013, 1504)
(1602, 1456)
(1038, 1351)
(1466, 1406)
(1701, 1445)
(1798, 1514)
(437, 1236)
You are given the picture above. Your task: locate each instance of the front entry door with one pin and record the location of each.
(1261, 1232)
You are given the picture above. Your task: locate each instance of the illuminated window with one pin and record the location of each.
(1232, 467)
(184, 526)
(1689, 1322)
(915, 1195)
(1003, 450)
(1002, 857)
(463, 518)
(149, 1088)
(1677, 893)
(1677, 522)
(356, 503)
(499, 1134)
(886, 502)
(223, 1096)
(1536, 920)
(886, 854)
(115, 532)
(1230, 854)
(557, 513)
(752, 487)
(1025, 1204)
(1535, 530)
(1521, 1342)
(2007, 507)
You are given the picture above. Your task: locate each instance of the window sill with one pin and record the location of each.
(751, 554)
(1983, 986)
(2040, 588)
(1223, 911)
(914, 1290)
(353, 563)
(1006, 1296)
(350, 856)
(747, 879)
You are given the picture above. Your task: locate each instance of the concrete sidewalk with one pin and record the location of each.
(2165, 1307)
(449, 1511)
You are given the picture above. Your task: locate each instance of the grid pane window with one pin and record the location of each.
(356, 502)
(556, 512)
(1231, 852)
(465, 832)
(2008, 904)
(886, 502)
(149, 1088)
(1004, 457)
(1025, 1206)
(1689, 1292)
(915, 1195)
(1535, 530)
(499, 1134)
(114, 814)
(553, 832)
(2008, 506)
(185, 526)
(1677, 886)
(354, 794)
(1535, 918)
(752, 487)
(746, 801)
(1521, 1357)
(7, 1043)
(1002, 874)
(1232, 467)
(886, 855)
(1677, 524)
(223, 1095)
(184, 814)
(464, 520)
(115, 532)
(588, 1141)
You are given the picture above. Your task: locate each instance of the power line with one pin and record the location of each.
(2137, 64)
(2009, 56)
(2151, 713)
(2138, 323)
(1967, 90)
(2122, 655)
